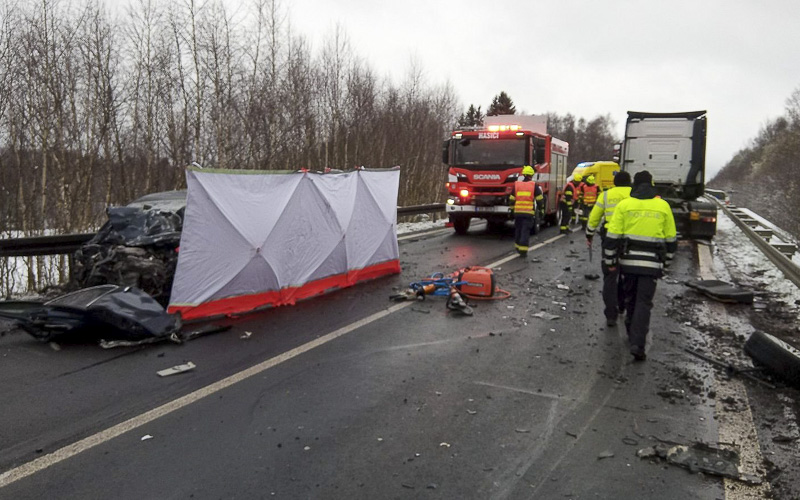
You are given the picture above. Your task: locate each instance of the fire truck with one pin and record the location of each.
(484, 162)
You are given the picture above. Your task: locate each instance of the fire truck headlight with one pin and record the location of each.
(463, 193)
(451, 201)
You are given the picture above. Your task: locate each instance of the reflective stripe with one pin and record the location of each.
(640, 263)
(646, 239)
(639, 253)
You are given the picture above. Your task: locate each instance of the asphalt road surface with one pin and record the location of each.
(350, 395)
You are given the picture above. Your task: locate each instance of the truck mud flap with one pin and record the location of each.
(722, 291)
(781, 358)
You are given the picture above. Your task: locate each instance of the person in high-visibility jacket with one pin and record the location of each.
(588, 194)
(601, 214)
(641, 241)
(527, 197)
(568, 201)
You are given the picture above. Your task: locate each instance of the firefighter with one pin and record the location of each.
(527, 197)
(601, 214)
(567, 203)
(640, 241)
(588, 193)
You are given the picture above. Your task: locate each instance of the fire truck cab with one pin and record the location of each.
(484, 162)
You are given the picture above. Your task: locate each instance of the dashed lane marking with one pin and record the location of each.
(101, 437)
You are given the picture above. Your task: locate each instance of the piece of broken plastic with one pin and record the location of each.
(176, 369)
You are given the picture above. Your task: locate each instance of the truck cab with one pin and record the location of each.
(672, 147)
(485, 162)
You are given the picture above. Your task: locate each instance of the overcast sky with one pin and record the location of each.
(737, 59)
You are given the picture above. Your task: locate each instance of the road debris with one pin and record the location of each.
(722, 291)
(176, 369)
(546, 316)
(605, 454)
(444, 445)
(146, 437)
(101, 312)
(701, 457)
(730, 369)
(246, 335)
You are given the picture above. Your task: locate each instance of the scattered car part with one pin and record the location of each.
(779, 357)
(701, 457)
(722, 291)
(176, 369)
(90, 314)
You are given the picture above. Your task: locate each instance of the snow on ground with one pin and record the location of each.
(424, 224)
(743, 257)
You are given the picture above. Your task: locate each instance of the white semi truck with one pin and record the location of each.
(672, 147)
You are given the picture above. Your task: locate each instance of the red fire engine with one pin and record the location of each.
(485, 162)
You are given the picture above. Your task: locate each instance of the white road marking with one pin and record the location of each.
(531, 249)
(734, 427)
(101, 437)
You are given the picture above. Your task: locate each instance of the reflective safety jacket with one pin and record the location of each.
(570, 193)
(526, 196)
(603, 210)
(641, 235)
(588, 193)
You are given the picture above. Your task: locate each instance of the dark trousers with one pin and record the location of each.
(566, 215)
(639, 292)
(522, 232)
(613, 293)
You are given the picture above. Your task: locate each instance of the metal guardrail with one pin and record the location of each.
(789, 269)
(67, 243)
(43, 245)
(421, 209)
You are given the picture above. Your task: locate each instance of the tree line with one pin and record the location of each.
(765, 175)
(98, 109)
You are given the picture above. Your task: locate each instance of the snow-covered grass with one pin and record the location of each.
(743, 258)
(424, 224)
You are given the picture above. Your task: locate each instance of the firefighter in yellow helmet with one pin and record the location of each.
(568, 202)
(641, 240)
(588, 193)
(527, 198)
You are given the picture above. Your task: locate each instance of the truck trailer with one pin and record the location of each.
(672, 147)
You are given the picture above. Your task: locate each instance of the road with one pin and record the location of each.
(351, 396)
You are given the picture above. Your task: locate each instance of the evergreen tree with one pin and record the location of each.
(501, 105)
(472, 118)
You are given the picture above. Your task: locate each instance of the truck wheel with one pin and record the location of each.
(780, 358)
(461, 224)
(557, 217)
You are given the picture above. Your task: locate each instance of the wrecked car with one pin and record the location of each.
(136, 247)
